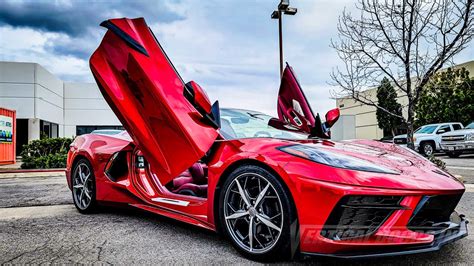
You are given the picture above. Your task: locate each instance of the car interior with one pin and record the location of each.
(192, 182)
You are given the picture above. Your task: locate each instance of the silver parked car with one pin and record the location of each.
(459, 141)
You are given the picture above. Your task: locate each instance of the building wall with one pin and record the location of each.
(366, 126)
(17, 88)
(36, 95)
(85, 106)
(344, 128)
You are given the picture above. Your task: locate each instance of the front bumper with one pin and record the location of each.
(441, 239)
(458, 146)
(392, 236)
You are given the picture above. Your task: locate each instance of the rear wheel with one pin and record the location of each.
(256, 212)
(83, 187)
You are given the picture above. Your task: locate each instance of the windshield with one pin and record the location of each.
(470, 126)
(236, 124)
(426, 130)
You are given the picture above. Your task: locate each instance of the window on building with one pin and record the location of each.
(81, 130)
(48, 129)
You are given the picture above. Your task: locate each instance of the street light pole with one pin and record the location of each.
(280, 41)
(283, 8)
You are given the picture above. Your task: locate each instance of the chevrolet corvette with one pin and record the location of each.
(275, 187)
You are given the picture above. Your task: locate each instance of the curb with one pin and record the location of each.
(31, 173)
(14, 171)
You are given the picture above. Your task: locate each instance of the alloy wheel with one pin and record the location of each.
(82, 186)
(428, 149)
(253, 213)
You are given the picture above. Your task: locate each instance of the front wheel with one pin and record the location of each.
(256, 212)
(427, 148)
(83, 187)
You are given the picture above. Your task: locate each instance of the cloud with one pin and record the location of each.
(77, 17)
(229, 47)
(76, 22)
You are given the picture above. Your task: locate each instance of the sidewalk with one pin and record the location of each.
(14, 170)
(21, 174)
(16, 165)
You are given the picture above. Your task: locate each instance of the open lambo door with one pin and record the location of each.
(171, 122)
(294, 108)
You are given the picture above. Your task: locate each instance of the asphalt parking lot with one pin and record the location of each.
(39, 224)
(463, 166)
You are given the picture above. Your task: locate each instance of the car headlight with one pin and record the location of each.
(333, 159)
(469, 136)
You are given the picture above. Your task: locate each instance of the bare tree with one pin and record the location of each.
(406, 41)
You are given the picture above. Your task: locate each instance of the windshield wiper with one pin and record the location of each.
(255, 116)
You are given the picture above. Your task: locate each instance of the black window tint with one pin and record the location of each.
(81, 130)
(457, 127)
(446, 128)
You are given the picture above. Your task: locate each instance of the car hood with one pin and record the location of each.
(458, 132)
(413, 171)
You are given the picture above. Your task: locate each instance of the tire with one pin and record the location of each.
(427, 149)
(454, 154)
(84, 197)
(273, 215)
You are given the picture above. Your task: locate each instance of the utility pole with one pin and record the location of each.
(283, 8)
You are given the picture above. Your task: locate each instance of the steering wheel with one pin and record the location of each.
(262, 134)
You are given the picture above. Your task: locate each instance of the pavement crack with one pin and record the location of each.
(99, 253)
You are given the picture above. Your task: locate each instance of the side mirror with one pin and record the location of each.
(199, 99)
(332, 116)
(197, 96)
(441, 131)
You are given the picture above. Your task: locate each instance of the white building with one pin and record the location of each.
(47, 105)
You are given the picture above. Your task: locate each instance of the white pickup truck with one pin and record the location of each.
(427, 138)
(457, 142)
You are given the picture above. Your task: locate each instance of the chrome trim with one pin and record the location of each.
(171, 201)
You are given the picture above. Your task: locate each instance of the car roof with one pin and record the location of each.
(437, 124)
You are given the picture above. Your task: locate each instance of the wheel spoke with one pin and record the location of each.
(78, 186)
(261, 195)
(268, 223)
(86, 178)
(81, 175)
(276, 215)
(230, 206)
(237, 214)
(251, 233)
(258, 241)
(81, 196)
(87, 193)
(243, 194)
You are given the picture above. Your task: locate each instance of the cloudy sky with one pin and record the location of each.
(230, 47)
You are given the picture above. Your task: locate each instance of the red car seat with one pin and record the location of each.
(192, 181)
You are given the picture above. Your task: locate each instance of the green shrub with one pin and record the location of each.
(45, 153)
(440, 163)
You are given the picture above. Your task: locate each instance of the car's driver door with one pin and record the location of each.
(172, 123)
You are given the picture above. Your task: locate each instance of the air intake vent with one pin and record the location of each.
(356, 216)
(433, 213)
(117, 166)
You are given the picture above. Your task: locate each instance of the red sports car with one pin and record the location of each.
(275, 187)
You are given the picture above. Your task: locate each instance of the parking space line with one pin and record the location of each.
(460, 167)
(469, 187)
